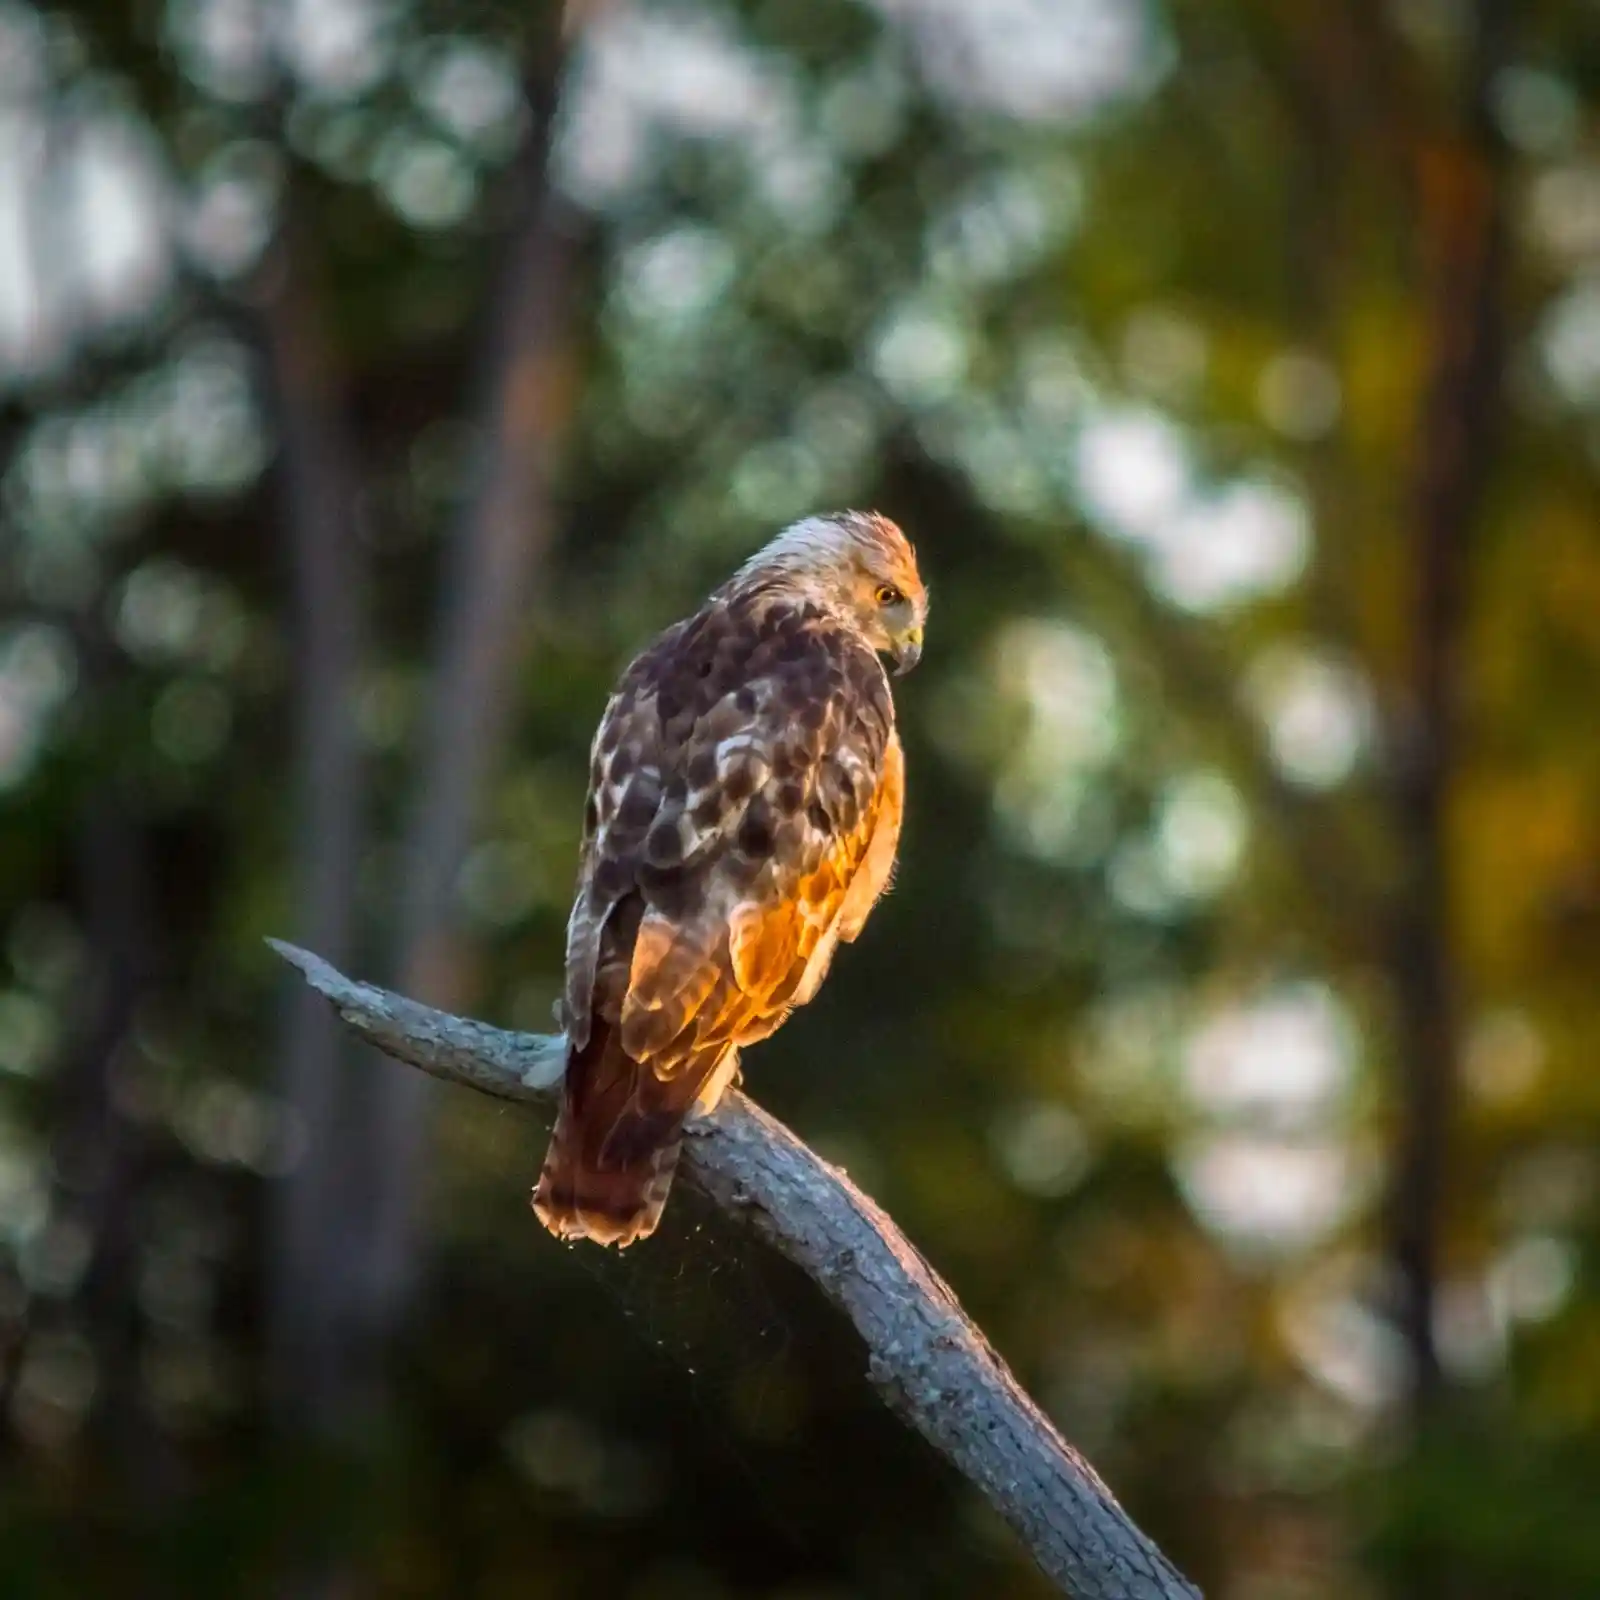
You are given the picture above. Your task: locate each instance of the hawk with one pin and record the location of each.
(745, 791)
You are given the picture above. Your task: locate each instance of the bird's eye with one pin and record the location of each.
(888, 595)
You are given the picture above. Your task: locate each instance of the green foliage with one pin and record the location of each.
(1128, 325)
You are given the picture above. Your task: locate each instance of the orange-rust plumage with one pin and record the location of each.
(744, 810)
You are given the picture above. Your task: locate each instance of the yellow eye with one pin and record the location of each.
(887, 595)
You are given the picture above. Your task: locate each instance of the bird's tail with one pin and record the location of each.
(615, 1147)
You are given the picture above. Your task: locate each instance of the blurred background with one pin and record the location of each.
(377, 375)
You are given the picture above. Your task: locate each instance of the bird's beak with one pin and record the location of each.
(907, 651)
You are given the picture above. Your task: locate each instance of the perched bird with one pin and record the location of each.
(745, 791)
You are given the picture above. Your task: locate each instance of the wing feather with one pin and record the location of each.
(740, 784)
(743, 813)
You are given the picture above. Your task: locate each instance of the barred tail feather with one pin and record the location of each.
(615, 1147)
(610, 1205)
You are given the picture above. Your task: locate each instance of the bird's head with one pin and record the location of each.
(861, 567)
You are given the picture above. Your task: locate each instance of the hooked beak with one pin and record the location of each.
(907, 651)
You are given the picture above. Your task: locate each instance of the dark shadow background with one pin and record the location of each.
(376, 376)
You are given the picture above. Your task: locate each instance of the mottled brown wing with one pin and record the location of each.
(746, 873)
(871, 876)
(745, 772)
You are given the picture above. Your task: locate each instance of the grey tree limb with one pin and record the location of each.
(930, 1362)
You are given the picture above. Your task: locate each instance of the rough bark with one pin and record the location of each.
(929, 1361)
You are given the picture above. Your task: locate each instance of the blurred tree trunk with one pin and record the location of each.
(320, 489)
(488, 589)
(346, 1251)
(98, 1151)
(88, 1255)
(1461, 192)
(345, 1235)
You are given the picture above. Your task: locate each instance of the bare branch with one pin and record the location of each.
(930, 1362)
